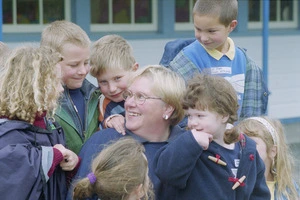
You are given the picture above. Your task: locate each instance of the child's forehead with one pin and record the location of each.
(68, 47)
(115, 71)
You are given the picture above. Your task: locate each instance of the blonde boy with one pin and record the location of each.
(78, 113)
(112, 61)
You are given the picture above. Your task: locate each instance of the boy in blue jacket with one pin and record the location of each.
(214, 52)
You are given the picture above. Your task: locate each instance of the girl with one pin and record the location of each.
(119, 172)
(273, 149)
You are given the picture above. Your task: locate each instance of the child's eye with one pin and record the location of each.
(102, 83)
(118, 78)
(74, 65)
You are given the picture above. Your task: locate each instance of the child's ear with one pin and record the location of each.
(232, 25)
(273, 151)
(139, 192)
(135, 66)
(225, 119)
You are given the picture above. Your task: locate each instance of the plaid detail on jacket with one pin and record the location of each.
(256, 93)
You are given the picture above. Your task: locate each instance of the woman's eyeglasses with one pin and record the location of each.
(138, 97)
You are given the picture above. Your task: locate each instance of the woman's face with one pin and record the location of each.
(144, 118)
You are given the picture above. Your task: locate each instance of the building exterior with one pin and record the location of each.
(163, 20)
(23, 20)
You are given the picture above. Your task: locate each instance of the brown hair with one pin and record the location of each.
(111, 52)
(213, 93)
(226, 10)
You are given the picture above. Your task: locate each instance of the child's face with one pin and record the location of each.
(58, 71)
(112, 83)
(75, 65)
(206, 121)
(261, 147)
(210, 33)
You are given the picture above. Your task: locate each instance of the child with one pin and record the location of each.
(32, 153)
(213, 52)
(198, 164)
(273, 149)
(77, 113)
(112, 62)
(120, 171)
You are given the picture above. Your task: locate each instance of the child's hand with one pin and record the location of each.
(118, 123)
(202, 138)
(70, 158)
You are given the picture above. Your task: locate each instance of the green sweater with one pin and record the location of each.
(68, 118)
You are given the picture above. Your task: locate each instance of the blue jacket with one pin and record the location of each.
(95, 144)
(255, 100)
(26, 155)
(184, 165)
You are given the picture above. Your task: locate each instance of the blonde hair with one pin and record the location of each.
(59, 33)
(283, 165)
(111, 52)
(213, 93)
(226, 10)
(4, 51)
(167, 85)
(120, 168)
(29, 83)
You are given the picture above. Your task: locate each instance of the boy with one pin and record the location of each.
(214, 52)
(112, 62)
(198, 163)
(77, 113)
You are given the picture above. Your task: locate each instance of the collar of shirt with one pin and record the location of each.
(218, 55)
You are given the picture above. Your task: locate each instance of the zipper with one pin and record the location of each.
(75, 108)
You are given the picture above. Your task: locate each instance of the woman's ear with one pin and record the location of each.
(169, 111)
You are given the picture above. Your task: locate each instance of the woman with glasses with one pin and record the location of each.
(152, 110)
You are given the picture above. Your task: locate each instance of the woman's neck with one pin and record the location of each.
(155, 134)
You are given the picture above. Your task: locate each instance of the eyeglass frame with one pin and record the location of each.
(136, 99)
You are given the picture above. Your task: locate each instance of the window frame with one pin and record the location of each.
(188, 26)
(128, 27)
(30, 28)
(276, 24)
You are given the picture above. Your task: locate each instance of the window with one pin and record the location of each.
(123, 15)
(32, 15)
(283, 14)
(184, 14)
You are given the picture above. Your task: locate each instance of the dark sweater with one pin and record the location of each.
(184, 165)
(95, 144)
